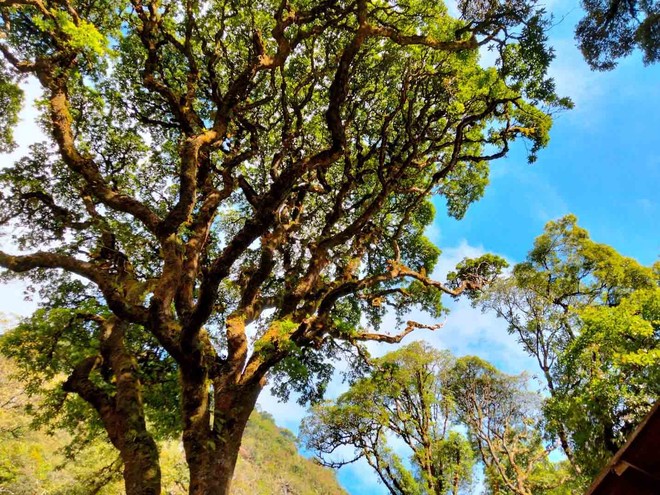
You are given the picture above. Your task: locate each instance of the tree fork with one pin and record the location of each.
(212, 443)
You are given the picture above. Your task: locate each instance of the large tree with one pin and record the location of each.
(588, 316)
(230, 188)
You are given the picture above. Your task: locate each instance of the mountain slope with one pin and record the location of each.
(31, 461)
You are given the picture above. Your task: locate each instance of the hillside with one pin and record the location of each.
(32, 461)
(270, 464)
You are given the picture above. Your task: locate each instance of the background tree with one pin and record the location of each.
(402, 397)
(504, 422)
(612, 371)
(585, 313)
(612, 29)
(425, 399)
(231, 188)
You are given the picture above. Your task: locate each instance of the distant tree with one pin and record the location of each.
(504, 422)
(612, 29)
(588, 316)
(231, 188)
(425, 399)
(33, 460)
(403, 398)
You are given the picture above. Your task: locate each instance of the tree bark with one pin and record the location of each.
(122, 413)
(137, 447)
(141, 465)
(212, 439)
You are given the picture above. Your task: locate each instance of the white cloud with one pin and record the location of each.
(470, 331)
(451, 256)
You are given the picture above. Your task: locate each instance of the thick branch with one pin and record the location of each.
(116, 301)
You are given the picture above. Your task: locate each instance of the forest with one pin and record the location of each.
(212, 206)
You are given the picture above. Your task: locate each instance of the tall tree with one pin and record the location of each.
(612, 377)
(229, 187)
(575, 306)
(402, 397)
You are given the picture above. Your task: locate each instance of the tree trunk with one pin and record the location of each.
(137, 448)
(212, 445)
(122, 413)
(141, 466)
(561, 428)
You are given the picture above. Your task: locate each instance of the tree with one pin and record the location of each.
(576, 307)
(32, 461)
(612, 29)
(425, 399)
(403, 397)
(229, 188)
(612, 371)
(37, 460)
(504, 422)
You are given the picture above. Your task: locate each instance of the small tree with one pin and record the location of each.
(504, 422)
(403, 397)
(230, 188)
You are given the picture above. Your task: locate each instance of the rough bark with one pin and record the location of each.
(212, 439)
(141, 467)
(122, 413)
(178, 288)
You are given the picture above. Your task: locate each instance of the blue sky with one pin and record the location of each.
(602, 164)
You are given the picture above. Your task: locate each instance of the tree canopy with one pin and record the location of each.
(612, 29)
(505, 423)
(402, 397)
(230, 189)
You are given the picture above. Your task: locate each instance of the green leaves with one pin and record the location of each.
(475, 274)
(11, 100)
(612, 29)
(614, 365)
(427, 399)
(402, 396)
(588, 315)
(272, 160)
(83, 35)
(505, 425)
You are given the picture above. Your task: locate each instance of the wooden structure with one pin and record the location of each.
(635, 468)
